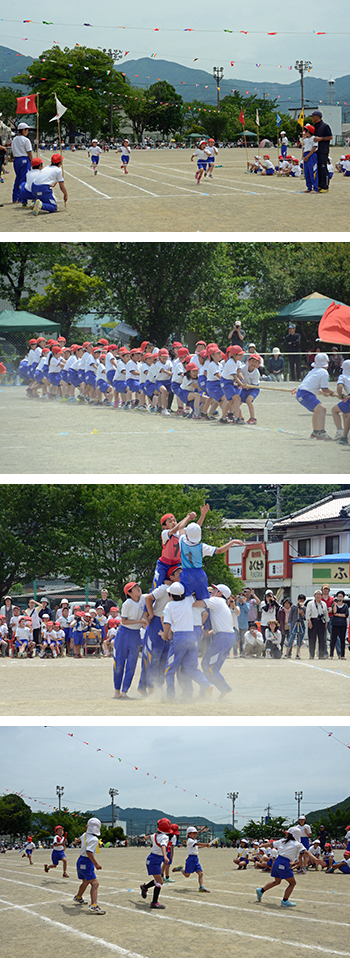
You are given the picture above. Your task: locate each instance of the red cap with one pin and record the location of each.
(85, 345)
(33, 342)
(56, 159)
(57, 350)
(176, 345)
(163, 352)
(235, 350)
(61, 339)
(112, 347)
(255, 356)
(143, 345)
(191, 366)
(102, 342)
(201, 343)
(168, 515)
(133, 351)
(36, 161)
(128, 587)
(183, 351)
(123, 350)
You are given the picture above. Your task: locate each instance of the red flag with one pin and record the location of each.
(335, 324)
(26, 104)
(241, 117)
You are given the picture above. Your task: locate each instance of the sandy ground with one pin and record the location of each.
(160, 194)
(111, 441)
(259, 687)
(40, 920)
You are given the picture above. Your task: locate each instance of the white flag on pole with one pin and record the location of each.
(60, 110)
(257, 120)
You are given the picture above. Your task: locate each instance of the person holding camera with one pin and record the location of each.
(237, 334)
(317, 619)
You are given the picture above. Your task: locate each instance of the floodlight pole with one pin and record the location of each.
(59, 793)
(298, 798)
(113, 792)
(218, 73)
(233, 796)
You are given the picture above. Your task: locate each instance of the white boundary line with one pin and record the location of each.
(319, 669)
(88, 185)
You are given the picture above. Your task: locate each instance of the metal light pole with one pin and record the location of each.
(233, 796)
(218, 73)
(59, 793)
(302, 67)
(267, 528)
(298, 798)
(113, 792)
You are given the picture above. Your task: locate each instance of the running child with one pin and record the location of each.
(173, 836)
(212, 151)
(316, 381)
(288, 852)
(202, 155)
(192, 863)
(28, 850)
(155, 860)
(86, 865)
(58, 853)
(125, 151)
(94, 152)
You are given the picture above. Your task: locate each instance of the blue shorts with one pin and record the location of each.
(192, 864)
(305, 841)
(244, 393)
(307, 399)
(230, 390)
(133, 385)
(154, 864)
(95, 160)
(344, 405)
(54, 378)
(148, 388)
(102, 385)
(345, 869)
(195, 580)
(78, 638)
(125, 158)
(85, 868)
(281, 868)
(119, 385)
(29, 851)
(110, 375)
(57, 855)
(269, 172)
(90, 378)
(202, 382)
(214, 390)
(202, 164)
(164, 382)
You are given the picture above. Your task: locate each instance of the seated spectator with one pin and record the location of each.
(253, 643)
(336, 360)
(275, 365)
(273, 640)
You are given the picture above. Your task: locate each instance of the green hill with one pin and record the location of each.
(11, 65)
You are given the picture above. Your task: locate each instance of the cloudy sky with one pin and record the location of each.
(191, 768)
(187, 31)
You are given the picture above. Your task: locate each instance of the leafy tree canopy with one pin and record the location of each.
(68, 295)
(15, 815)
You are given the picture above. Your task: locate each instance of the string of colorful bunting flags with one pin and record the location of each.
(332, 735)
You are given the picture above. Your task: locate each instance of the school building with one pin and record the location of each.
(303, 550)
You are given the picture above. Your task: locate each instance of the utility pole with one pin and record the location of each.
(59, 793)
(298, 798)
(268, 810)
(233, 796)
(113, 792)
(218, 73)
(302, 67)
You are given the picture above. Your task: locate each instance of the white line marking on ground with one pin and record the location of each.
(106, 197)
(91, 939)
(320, 669)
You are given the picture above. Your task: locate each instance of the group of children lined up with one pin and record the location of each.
(36, 634)
(289, 165)
(146, 378)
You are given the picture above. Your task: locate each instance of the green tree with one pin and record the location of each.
(15, 815)
(112, 835)
(274, 828)
(167, 115)
(153, 284)
(84, 80)
(231, 834)
(68, 295)
(8, 104)
(138, 106)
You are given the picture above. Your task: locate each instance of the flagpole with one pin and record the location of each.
(59, 131)
(245, 143)
(37, 125)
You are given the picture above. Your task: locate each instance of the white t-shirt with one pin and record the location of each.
(251, 378)
(89, 843)
(192, 846)
(230, 368)
(21, 145)
(213, 372)
(133, 610)
(95, 150)
(179, 615)
(201, 154)
(49, 176)
(309, 144)
(158, 839)
(314, 380)
(290, 850)
(163, 370)
(220, 614)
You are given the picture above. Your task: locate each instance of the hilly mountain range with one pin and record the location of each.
(194, 84)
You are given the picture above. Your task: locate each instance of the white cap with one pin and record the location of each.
(223, 588)
(295, 832)
(346, 366)
(193, 533)
(176, 588)
(23, 126)
(191, 829)
(321, 360)
(276, 351)
(93, 826)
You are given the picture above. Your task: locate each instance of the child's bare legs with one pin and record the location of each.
(319, 418)
(250, 405)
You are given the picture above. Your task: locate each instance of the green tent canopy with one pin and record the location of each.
(21, 321)
(309, 308)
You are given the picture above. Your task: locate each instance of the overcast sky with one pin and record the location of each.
(154, 29)
(264, 764)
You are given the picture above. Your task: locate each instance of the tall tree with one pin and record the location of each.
(68, 295)
(168, 110)
(15, 816)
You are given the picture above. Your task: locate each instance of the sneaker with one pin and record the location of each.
(259, 893)
(96, 910)
(201, 888)
(165, 412)
(65, 875)
(37, 207)
(339, 434)
(252, 421)
(288, 903)
(79, 901)
(343, 441)
(46, 868)
(168, 881)
(156, 904)
(144, 890)
(178, 868)
(324, 435)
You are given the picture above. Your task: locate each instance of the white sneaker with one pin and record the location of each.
(54, 654)
(338, 434)
(37, 207)
(165, 412)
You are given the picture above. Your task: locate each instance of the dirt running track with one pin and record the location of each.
(84, 440)
(259, 687)
(160, 194)
(40, 920)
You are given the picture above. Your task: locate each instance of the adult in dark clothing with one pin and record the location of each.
(237, 334)
(275, 365)
(45, 610)
(107, 603)
(323, 136)
(322, 836)
(292, 346)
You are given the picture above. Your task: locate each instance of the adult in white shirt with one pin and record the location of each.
(43, 183)
(21, 155)
(224, 638)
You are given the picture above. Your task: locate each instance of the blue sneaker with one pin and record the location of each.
(288, 903)
(259, 893)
